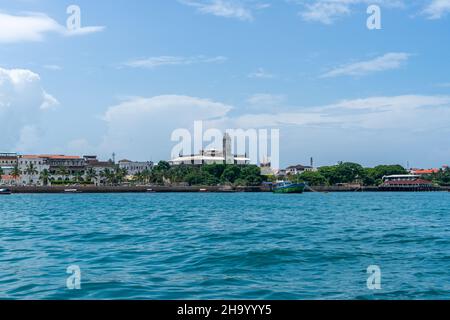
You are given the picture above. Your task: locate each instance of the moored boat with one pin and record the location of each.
(5, 191)
(289, 187)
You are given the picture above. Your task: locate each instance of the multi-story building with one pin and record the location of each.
(60, 167)
(63, 166)
(7, 162)
(135, 167)
(31, 167)
(98, 168)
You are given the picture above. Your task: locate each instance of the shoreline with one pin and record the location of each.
(197, 189)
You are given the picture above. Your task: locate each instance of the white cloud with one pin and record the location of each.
(265, 99)
(22, 101)
(49, 101)
(154, 62)
(328, 11)
(437, 9)
(261, 74)
(34, 27)
(389, 61)
(372, 131)
(237, 9)
(408, 112)
(141, 128)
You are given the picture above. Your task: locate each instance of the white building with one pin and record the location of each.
(298, 169)
(135, 167)
(31, 168)
(213, 156)
(7, 162)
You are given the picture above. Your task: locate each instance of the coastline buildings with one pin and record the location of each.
(422, 172)
(213, 156)
(39, 170)
(409, 182)
(96, 169)
(135, 167)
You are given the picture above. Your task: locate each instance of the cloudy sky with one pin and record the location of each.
(137, 70)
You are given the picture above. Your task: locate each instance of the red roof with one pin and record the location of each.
(7, 178)
(53, 157)
(428, 171)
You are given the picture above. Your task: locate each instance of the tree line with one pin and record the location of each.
(348, 172)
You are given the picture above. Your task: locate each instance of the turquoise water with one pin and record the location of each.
(225, 246)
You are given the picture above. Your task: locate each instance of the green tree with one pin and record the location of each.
(374, 176)
(214, 169)
(91, 175)
(251, 174)
(343, 173)
(45, 177)
(15, 173)
(108, 176)
(231, 173)
(312, 178)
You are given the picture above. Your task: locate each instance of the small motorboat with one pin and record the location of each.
(71, 191)
(289, 187)
(5, 191)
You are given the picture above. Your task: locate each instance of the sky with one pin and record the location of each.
(138, 70)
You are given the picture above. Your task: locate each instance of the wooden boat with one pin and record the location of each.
(289, 187)
(5, 191)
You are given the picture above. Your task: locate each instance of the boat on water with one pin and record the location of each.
(289, 187)
(5, 191)
(71, 191)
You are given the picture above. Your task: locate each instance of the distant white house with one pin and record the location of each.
(135, 167)
(298, 169)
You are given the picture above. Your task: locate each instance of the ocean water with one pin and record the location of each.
(225, 246)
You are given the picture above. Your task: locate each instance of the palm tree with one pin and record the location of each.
(45, 177)
(31, 171)
(91, 174)
(62, 171)
(79, 176)
(119, 174)
(15, 173)
(108, 175)
(145, 176)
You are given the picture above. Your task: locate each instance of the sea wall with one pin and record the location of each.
(187, 189)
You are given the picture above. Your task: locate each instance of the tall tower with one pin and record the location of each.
(227, 150)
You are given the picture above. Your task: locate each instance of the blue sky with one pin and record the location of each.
(141, 69)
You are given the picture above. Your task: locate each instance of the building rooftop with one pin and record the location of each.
(299, 166)
(51, 156)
